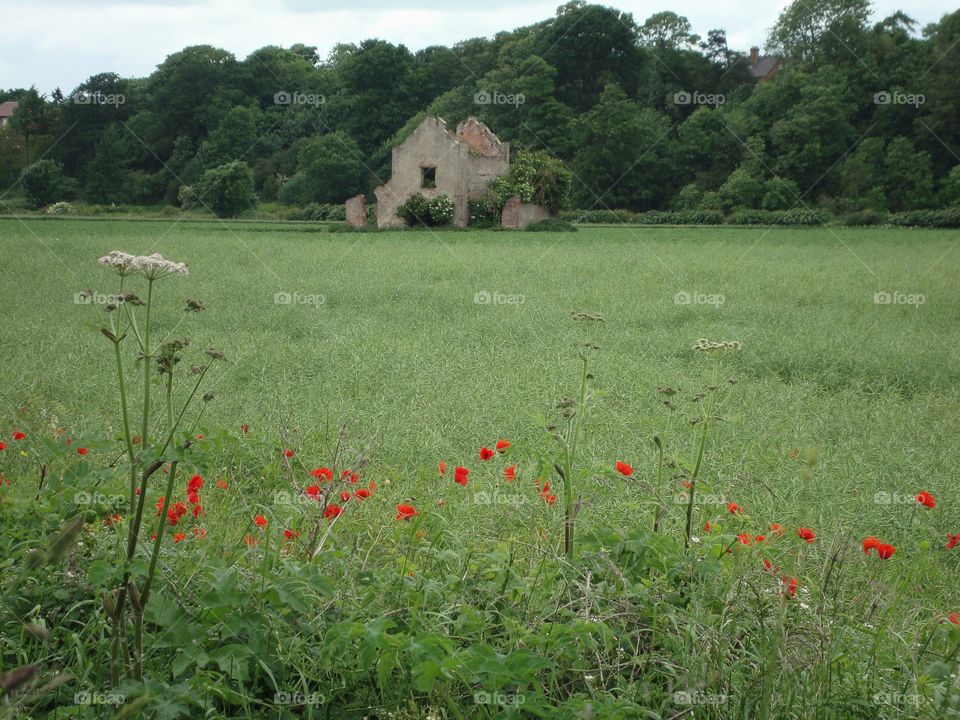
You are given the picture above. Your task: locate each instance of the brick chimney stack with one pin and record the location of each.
(754, 55)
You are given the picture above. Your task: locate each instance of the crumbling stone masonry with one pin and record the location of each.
(517, 215)
(356, 211)
(433, 161)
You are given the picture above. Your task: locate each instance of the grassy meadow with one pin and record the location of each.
(424, 346)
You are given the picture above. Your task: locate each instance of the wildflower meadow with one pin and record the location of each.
(259, 472)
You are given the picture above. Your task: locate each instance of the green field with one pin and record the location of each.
(390, 334)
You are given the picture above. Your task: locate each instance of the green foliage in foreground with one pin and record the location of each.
(840, 413)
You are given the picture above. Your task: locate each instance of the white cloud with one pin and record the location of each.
(53, 43)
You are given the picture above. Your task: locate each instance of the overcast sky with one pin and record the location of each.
(60, 43)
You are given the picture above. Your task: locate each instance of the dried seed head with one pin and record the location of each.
(193, 306)
(216, 354)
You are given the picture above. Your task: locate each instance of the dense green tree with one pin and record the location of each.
(31, 118)
(43, 182)
(909, 176)
(227, 190)
(623, 158)
(329, 170)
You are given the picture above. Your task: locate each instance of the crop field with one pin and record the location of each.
(389, 353)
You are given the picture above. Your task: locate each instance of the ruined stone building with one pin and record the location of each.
(433, 161)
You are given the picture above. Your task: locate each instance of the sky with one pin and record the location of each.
(60, 43)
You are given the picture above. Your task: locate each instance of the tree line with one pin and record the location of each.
(645, 115)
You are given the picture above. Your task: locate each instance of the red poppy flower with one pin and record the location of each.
(776, 528)
(313, 491)
(870, 543)
(176, 511)
(159, 505)
(952, 541)
(344, 496)
(547, 496)
(153, 537)
(405, 512)
(791, 584)
(197, 511)
(193, 489)
(686, 484)
(178, 537)
(743, 538)
(806, 534)
(759, 538)
(200, 532)
(290, 534)
(287, 452)
(3, 446)
(111, 520)
(17, 435)
(733, 508)
(260, 521)
(926, 499)
(244, 428)
(200, 436)
(223, 484)
(322, 474)
(502, 445)
(885, 551)
(510, 473)
(362, 494)
(82, 451)
(623, 468)
(442, 467)
(707, 526)
(332, 511)
(137, 490)
(955, 618)
(460, 475)
(770, 567)
(486, 453)
(372, 486)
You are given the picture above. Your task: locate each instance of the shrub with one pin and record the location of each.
(688, 198)
(710, 201)
(228, 189)
(741, 190)
(780, 194)
(60, 208)
(416, 210)
(948, 218)
(319, 212)
(187, 197)
(43, 182)
(795, 216)
(441, 210)
(537, 178)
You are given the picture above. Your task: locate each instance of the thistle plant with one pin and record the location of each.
(128, 315)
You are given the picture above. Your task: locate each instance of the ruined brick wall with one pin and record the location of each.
(355, 210)
(466, 164)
